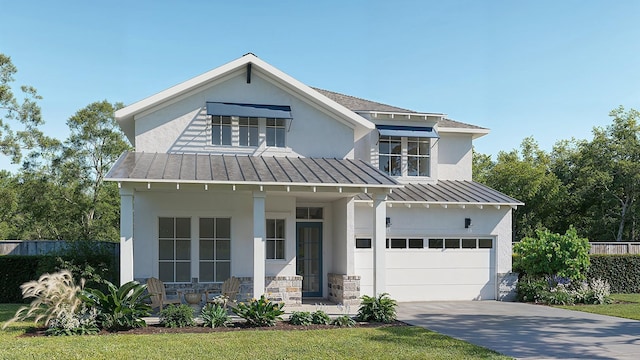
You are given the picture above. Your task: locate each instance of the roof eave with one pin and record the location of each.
(475, 132)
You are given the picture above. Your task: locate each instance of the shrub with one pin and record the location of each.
(260, 312)
(622, 272)
(320, 317)
(215, 315)
(55, 294)
(16, 270)
(596, 291)
(377, 309)
(301, 318)
(529, 288)
(69, 323)
(553, 254)
(119, 308)
(177, 316)
(343, 320)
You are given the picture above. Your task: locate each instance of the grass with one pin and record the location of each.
(625, 306)
(357, 343)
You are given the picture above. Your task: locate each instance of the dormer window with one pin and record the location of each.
(275, 132)
(405, 150)
(249, 131)
(221, 130)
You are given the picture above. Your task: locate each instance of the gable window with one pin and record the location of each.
(275, 132)
(404, 156)
(417, 156)
(390, 157)
(248, 131)
(221, 130)
(174, 249)
(275, 239)
(215, 249)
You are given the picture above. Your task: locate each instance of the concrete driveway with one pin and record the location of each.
(528, 331)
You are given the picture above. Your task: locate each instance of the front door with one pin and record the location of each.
(309, 257)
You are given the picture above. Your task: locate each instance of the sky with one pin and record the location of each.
(548, 69)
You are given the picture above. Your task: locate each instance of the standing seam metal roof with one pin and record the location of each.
(209, 168)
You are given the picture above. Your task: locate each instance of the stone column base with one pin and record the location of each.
(507, 286)
(344, 289)
(287, 289)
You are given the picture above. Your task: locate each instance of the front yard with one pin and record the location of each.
(406, 342)
(624, 306)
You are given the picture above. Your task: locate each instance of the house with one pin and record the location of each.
(301, 192)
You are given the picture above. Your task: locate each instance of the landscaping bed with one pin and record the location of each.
(236, 326)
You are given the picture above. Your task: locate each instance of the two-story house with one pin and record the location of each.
(301, 192)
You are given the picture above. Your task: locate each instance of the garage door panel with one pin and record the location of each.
(442, 292)
(439, 276)
(437, 260)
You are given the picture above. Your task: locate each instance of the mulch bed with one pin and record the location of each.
(281, 325)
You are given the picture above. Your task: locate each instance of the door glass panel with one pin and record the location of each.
(309, 258)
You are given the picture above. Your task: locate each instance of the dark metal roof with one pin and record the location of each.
(236, 169)
(449, 192)
(358, 104)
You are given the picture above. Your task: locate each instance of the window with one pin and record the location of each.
(404, 156)
(363, 243)
(416, 244)
(309, 213)
(275, 132)
(466, 243)
(275, 239)
(221, 130)
(397, 243)
(390, 158)
(215, 249)
(174, 245)
(248, 131)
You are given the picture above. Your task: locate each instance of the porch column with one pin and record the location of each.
(126, 235)
(379, 243)
(259, 235)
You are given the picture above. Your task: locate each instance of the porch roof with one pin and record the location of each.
(447, 192)
(250, 170)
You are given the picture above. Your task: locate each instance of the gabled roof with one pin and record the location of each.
(247, 170)
(126, 115)
(448, 192)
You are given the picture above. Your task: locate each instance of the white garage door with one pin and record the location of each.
(432, 268)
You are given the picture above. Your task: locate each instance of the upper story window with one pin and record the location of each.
(275, 132)
(249, 131)
(405, 150)
(221, 130)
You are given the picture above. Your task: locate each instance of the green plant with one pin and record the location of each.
(119, 308)
(174, 316)
(79, 323)
(596, 292)
(259, 312)
(320, 317)
(214, 315)
(622, 272)
(377, 309)
(558, 295)
(343, 320)
(554, 254)
(301, 318)
(54, 295)
(530, 287)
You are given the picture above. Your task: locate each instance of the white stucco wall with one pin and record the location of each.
(184, 127)
(454, 156)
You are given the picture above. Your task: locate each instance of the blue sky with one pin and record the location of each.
(548, 69)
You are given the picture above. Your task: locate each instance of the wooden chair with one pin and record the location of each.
(159, 298)
(230, 289)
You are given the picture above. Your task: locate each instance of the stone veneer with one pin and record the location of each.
(507, 283)
(287, 289)
(344, 289)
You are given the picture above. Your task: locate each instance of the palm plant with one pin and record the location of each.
(120, 308)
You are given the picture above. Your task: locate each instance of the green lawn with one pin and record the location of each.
(626, 306)
(384, 343)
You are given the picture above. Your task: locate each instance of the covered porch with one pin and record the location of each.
(284, 226)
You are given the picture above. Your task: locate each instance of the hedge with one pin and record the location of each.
(15, 270)
(621, 271)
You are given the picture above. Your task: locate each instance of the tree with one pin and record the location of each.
(25, 116)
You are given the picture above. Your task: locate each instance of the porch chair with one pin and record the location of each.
(230, 289)
(158, 297)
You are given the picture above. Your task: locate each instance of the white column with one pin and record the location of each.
(379, 243)
(126, 235)
(259, 235)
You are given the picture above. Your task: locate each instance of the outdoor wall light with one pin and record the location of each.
(388, 223)
(467, 223)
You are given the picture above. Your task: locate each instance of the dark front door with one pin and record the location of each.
(309, 257)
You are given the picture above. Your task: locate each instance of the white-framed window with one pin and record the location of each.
(215, 249)
(276, 129)
(404, 156)
(275, 241)
(460, 243)
(221, 130)
(174, 249)
(248, 131)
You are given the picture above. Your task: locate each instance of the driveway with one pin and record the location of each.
(527, 331)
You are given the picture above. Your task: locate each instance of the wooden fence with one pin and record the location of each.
(41, 247)
(614, 248)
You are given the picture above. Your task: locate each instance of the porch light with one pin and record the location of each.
(467, 223)
(388, 222)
